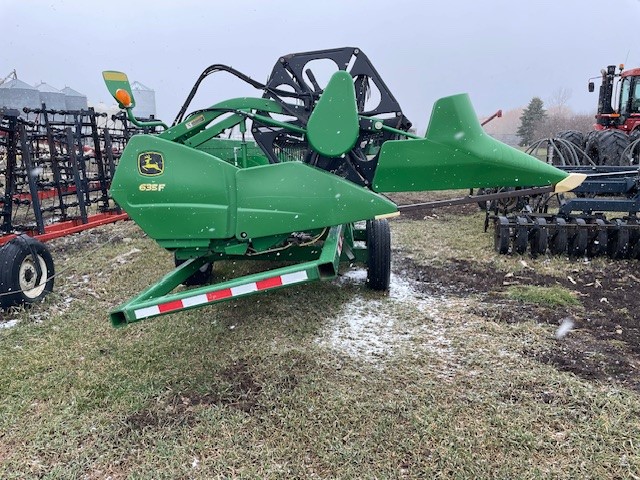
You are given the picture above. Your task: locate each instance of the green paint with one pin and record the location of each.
(118, 81)
(333, 127)
(323, 267)
(457, 153)
(293, 197)
(211, 198)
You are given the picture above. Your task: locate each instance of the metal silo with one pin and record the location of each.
(145, 100)
(74, 100)
(51, 97)
(17, 94)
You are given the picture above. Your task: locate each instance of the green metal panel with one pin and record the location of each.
(294, 197)
(190, 202)
(457, 153)
(333, 126)
(231, 151)
(116, 81)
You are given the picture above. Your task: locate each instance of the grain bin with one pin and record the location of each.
(50, 96)
(74, 100)
(18, 94)
(145, 100)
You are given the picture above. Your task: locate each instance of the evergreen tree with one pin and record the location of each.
(531, 118)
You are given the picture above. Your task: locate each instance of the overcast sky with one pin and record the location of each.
(502, 52)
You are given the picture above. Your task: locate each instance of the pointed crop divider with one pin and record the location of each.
(456, 153)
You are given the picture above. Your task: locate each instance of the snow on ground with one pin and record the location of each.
(8, 324)
(375, 329)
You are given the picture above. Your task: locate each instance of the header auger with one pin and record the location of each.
(311, 164)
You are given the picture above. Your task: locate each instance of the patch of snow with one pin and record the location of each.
(406, 320)
(8, 324)
(358, 275)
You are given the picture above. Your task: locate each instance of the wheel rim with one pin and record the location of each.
(28, 275)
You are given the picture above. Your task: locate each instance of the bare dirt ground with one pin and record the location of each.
(604, 343)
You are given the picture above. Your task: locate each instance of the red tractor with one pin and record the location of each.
(617, 129)
(617, 125)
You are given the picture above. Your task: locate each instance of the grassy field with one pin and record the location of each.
(327, 380)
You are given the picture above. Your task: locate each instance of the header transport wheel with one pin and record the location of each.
(26, 272)
(379, 255)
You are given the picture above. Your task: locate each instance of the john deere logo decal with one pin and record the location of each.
(150, 164)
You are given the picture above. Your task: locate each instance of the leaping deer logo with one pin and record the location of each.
(150, 164)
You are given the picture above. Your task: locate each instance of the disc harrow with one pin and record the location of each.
(589, 236)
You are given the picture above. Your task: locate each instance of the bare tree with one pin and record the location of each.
(558, 102)
(561, 118)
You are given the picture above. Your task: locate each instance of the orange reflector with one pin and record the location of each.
(123, 97)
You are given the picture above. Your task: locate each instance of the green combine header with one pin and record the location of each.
(304, 183)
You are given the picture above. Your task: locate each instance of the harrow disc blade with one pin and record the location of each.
(539, 237)
(501, 235)
(618, 239)
(598, 238)
(558, 242)
(521, 236)
(634, 238)
(577, 245)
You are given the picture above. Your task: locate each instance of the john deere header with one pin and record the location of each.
(304, 159)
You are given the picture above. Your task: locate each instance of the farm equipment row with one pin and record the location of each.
(579, 225)
(303, 184)
(55, 171)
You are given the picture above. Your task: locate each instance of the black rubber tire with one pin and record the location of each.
(578, 238)
(571, 158)
(635, 151)
(539, 237)
(201, 277)
(501, 235)
(598, 238)
(573, 136)
(521, 237)
(19, 284)
(378, 255)
(618, 244)
(605, 147)
(558, 243)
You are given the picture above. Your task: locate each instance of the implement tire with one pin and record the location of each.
(19, 281)
(379, 255)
